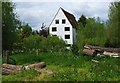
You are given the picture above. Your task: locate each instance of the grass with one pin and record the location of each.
(23, 75)
(67, 67)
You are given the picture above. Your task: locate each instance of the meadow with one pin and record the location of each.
(66, 67)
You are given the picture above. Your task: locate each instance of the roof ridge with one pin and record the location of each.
(66, 11)
(70, 17)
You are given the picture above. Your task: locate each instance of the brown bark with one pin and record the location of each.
(102, 49)
(89, 52)
(7, 53)
(92, 50)
(12, 69)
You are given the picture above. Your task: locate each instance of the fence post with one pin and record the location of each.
(7, 53)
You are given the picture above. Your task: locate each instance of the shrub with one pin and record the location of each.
(51, 43)
(55, 44)
(74, 49)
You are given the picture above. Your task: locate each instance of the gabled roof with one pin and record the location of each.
(70, 17)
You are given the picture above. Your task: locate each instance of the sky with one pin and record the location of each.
(36, 12)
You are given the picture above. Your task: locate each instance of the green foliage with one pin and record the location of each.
(97, 41)
(55, 44)
(23, 58)
(82, 20)
(26, 31)
(23, 75)
(106, 69)
(96, 33)
(9, 25)
(93, 33)
(66, 67)
(113, 25)
(75, 49)
(32, 42)
(43, 43)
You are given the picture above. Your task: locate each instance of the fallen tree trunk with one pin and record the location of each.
(102, 49)
(92, 50)
(12, 69)
(34, 66)
(89, 52)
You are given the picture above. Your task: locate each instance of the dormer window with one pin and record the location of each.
(54, 29)
(63, 21)
(57, 21)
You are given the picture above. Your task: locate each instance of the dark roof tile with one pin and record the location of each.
(71, 18)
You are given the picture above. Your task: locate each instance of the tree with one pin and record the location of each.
(35, 32)
(9, 25)
(26, 31)
(93, 33)
(82, 20)
(113, 24)
(43, 31)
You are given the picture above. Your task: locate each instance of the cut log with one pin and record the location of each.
(36, 66)
(110, 54)
(89, 52)
(102, 49)
(12, 69)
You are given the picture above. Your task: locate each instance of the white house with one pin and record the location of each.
(64, 26)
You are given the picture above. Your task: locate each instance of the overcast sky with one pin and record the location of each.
(37, 12)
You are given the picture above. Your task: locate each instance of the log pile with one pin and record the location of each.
(89, 52)
(94, 50)
(12, 69)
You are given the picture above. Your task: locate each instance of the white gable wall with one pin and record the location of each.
(61, 27)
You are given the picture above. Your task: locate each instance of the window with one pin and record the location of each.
(67, 28)
(54, 28)
(67, 36)
(63, 21)
(56, 21)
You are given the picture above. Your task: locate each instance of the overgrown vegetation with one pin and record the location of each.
(23, 75)
(67, 67)
(92, 33)
(95, 32)
(44, 44)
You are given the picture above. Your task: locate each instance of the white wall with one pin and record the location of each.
(74, 35)
(60, 27)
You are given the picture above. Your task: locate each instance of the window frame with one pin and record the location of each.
(57, 21)
(66, 30)
(67, 35)
(55, 29)
(63, 21)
